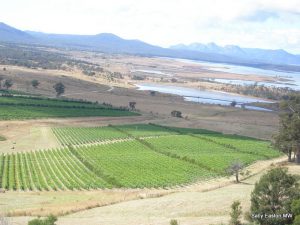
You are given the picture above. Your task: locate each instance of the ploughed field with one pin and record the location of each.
(129, 156)
(14, 107)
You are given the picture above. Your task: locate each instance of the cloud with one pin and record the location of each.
(260, 16)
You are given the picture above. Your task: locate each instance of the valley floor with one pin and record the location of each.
(202, 203)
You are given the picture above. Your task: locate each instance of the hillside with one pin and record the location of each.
(10, 34)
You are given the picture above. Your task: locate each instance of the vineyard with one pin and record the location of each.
(29, 107)
(144, 156)
(82, 135)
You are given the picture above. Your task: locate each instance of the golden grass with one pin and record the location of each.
(67, 202)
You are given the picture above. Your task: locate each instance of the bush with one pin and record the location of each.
(174, 222)
(236, 213)
(50, 220)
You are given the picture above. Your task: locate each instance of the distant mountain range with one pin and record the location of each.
(110, 43)
(254, 54)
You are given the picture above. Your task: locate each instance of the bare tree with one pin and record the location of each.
(236, 169)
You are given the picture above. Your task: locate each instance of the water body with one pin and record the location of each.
(152, 72)
(292, 77)
(249, 82)
(204, 96)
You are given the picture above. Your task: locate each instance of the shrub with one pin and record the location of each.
(174, 222)
(50, 220)
(236, 213)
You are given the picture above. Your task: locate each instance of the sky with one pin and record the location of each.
(270, 24)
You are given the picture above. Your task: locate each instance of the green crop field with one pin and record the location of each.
(25, 107)
(212, 156)
(145, 156)
(82, 135)
(243, 144)
(145, 130)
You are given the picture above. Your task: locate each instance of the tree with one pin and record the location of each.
(152, 93)
(59, 88)
(176, 113)
(132, 105)
(1, 79)
(235, 169)
(35, 83)
(273, 195)
(288, 138)
(8, 83)
(50, 220)
(283, 140)
(233, 103)
(236, 213)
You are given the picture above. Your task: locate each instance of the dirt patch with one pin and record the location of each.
(29, 135)
(25, 136)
